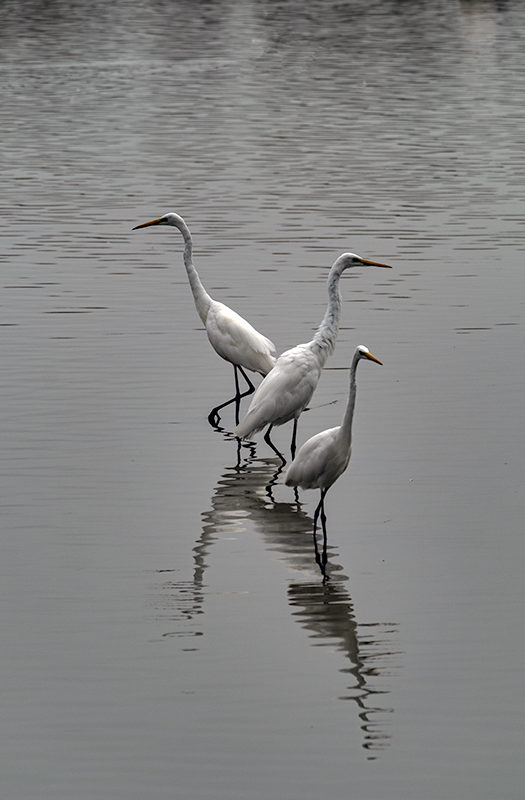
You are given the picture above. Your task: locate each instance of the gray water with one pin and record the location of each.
(165, 629)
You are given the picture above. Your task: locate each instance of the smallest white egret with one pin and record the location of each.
(323, 458)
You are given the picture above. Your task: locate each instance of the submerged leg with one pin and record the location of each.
(214, 416)
(271, 444)
(273, 482)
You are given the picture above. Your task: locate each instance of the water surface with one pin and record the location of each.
(166, 630)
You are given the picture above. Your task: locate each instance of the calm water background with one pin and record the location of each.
(165, 630)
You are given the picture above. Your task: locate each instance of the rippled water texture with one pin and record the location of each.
(166, 632)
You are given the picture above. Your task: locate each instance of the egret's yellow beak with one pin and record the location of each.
(368, 263)
(145, 224)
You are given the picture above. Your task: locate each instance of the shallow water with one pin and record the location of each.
(166, 631)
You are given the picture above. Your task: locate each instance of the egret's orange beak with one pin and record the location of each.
(369, 355)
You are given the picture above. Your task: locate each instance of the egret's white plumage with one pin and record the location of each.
(231, 336)
(288, 388)
(323, 458)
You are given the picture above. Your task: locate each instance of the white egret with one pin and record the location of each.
(286, 391)
(323, 458)
(231, 336)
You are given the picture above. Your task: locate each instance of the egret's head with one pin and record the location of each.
(348, 260)
(363, 352)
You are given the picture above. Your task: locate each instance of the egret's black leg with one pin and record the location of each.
(294, 437)
(316, 517)
(238, 395)
(271, 444)
(324, 558)
(321, 559)
(316, 513)
(251, 387)
(214, 416)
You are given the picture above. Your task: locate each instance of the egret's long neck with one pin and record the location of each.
(200, 295)
(346, 426)
(326, 334)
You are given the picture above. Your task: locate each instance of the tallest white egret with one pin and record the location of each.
(231, 336)
(288, 388)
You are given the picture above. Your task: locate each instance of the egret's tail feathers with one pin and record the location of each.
(245, 429)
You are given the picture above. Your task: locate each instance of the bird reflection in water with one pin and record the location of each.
(327, 613)
(323, 609)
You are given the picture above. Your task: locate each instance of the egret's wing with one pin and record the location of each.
(313, 461)
(284, 392)
(237, 341)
